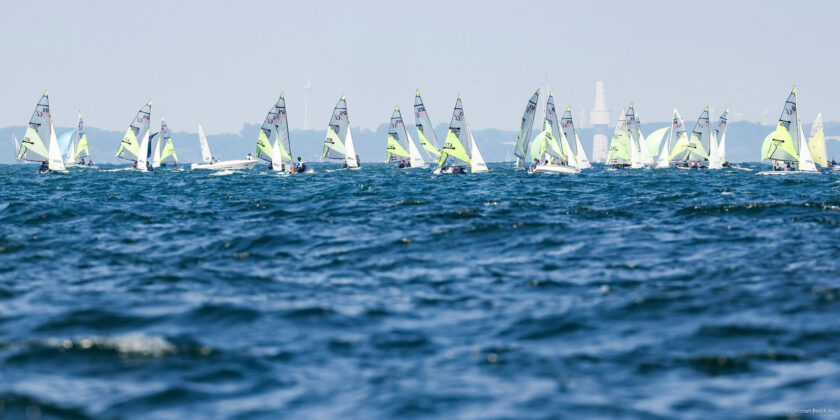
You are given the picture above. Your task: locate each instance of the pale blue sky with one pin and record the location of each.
(223, 63)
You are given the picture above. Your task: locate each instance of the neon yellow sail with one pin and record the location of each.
(82, 147)
(619, 151)
(139, 127)
(394, 149)
(453, 147)
(779, 139)
(396, 129)
(654, 140)
(817, 143)
(538, 145)
(425, 130)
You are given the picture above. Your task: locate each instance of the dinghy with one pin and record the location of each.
(573, 148)
(618, 154)
(213, 164)
(786, 145)
(520, 149)
(547, 152)
(273, 142)
(397, 142)
(338, 143)
(699, 143)
(454, 156)
(639, 156)
(135, 143)
(163, 137)
(720, 137)
(79, 149)
(675, 141)
(32, 147)
(425, 130)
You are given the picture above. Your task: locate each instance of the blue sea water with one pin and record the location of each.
(386, 293)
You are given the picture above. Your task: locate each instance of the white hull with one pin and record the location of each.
(554, 169)
(449, 170)
(76, 165)
(226, 164)
(785, 172)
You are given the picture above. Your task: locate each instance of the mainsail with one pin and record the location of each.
(619, 152)
(454, 152)
(82, 145)
(699, 142)
(525, 127)
(206, 156)
(137, 131)
(33, 147)
(425, 129)
(675, 142)
(817, 142)
(338, 143)
(552, 135)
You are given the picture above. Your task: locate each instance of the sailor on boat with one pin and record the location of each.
(44, 167)
(833, 163)
(300, 166)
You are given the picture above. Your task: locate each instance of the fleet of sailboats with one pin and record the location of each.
(555, 149)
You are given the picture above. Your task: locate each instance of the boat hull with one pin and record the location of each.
(225, 164)
(554, 169)
(786, 172)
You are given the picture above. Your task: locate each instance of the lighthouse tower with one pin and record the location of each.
(599, 119)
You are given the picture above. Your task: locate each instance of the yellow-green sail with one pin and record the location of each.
(139, 127)
(619, 151)
(817, 143)
(33, 147)
(396, 131)
(778, 145)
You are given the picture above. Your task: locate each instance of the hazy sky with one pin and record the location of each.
(223, 63)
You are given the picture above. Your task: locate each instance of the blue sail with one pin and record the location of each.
(64, 141)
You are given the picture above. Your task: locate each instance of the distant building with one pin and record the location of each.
(599, 119)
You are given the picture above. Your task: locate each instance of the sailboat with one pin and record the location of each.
(273, 142)
(398, 141)
(520, 149)
(135, 142)
(213, 164)
(787, 144)
(576, 155)
(163, 137)
(547, 149)
(454, 156)
(699, 142)
(639, 156)
(817, 142)
(675, 142)
(619, 152)
(32, 147)
(425, 130)
(338, 143)
(79, 148)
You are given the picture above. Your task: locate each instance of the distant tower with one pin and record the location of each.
(599, 119)
(307, 96)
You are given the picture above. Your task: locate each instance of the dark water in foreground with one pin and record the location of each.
(397, 294)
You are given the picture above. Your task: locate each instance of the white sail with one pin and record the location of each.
(56, 160)
(205, 147)
(635, 156)
(477, 163)
(582, 159)
(17, 145)
(276, 159)
(350, 157)
(414, 153)
(142, 159)
(806, 162)
(156, 154)
(715, 161)
(646, 156)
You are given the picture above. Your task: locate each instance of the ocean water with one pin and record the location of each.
(387, 293)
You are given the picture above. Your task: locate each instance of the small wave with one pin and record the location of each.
(224, 172)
